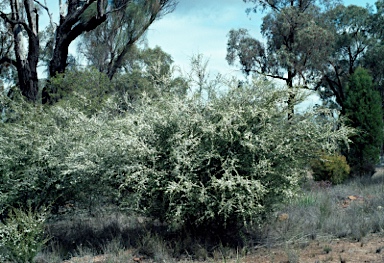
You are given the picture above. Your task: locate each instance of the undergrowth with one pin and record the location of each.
(321, 212)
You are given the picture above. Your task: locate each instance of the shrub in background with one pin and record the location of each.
(333, 168)
(86, 90)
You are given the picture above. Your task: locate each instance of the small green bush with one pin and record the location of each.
(333, 168)
(22, 235)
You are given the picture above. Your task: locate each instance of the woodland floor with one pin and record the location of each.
(323, 249)
(370, 249)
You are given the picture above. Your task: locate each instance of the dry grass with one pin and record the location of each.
(330, 221)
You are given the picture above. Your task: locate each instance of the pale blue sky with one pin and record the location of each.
(201, 26)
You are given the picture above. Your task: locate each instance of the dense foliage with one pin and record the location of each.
(364, 111)
(88, 96)
(127, 132)
(22, 236)
(186, 161)
(119, 24)
(332, 168)
(229, 159)
(320, 45)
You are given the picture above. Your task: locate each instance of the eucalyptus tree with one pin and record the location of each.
(296, 43)
(374, 61)
(348, 87)
(75, 18)
(374, 57)
(352, 30)
(6, 55)
(149, 71)
(108, 46)
(22, 21)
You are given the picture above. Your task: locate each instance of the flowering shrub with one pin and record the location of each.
(226, 160)
(22, 236)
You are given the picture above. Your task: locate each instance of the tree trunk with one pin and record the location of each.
(58, 61)
(291, 95)
(26, 64)
(28, 80)
(71, 26)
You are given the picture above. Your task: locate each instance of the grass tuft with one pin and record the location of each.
(351, 210)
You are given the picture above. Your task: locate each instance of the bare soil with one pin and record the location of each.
(370, 249)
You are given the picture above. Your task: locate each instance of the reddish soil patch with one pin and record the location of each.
(370, 249)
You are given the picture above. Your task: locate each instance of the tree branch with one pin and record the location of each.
(7, 19)
(117, 63)
(269, 75)
(14, 22)
(43, 6)
(46, 9)
(74, 14)
(116, 9)
(86, 26)
(7, 60)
